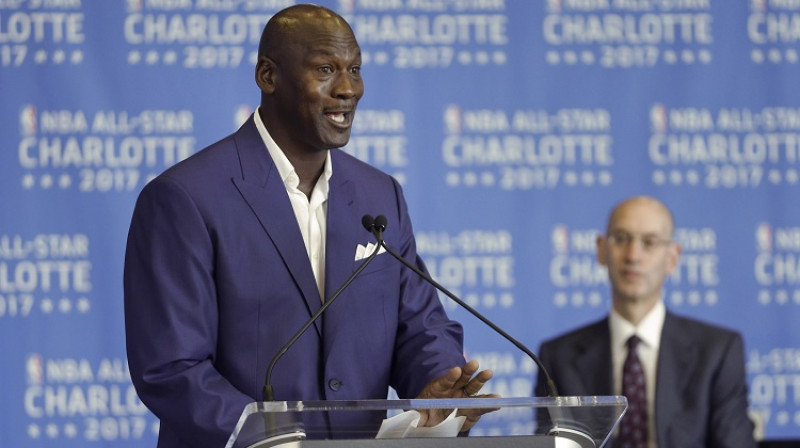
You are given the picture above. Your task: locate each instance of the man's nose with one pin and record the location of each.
(634, 249)
(347, 86)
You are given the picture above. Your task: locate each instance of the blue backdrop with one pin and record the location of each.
(513, 125)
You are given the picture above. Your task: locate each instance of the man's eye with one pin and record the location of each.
(621, 238)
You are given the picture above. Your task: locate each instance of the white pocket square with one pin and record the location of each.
(363, 252)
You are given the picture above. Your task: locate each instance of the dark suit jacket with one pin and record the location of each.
(701, 392)
(217, 280)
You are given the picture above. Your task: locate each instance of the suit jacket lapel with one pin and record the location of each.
(263, 189)
(594, 360)
(675, 363)
(344, 229)
(344, 232)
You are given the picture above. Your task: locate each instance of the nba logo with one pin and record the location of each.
(560, 239)
(452, 119)
(658, 118)
(27, 120)
(346, 6)
(554, 5)
(134, 5)
(34, 370)
(764, 237)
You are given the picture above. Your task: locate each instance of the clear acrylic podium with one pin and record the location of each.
(561, 422)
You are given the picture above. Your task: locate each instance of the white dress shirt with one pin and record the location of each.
(311, 213)
(649, 331)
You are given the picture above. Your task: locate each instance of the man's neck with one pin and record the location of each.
(308, 171)
(308, 162)
(634, 311)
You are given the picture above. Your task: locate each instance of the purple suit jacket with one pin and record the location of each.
(701, 393)
(217, 280)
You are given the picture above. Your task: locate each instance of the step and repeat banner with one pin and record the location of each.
(513, 125)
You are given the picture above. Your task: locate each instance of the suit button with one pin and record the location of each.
(334, 384)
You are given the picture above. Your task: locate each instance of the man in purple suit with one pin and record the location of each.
(232, 250)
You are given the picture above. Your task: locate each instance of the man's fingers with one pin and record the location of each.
(470, 368)
(445, 383)
(476, 384)
(473, 415)
(458, 382)
(467, 371)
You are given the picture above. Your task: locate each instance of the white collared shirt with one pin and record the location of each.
(649, 331)
(311, 213)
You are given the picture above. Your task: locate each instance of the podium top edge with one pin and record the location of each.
(464, 403)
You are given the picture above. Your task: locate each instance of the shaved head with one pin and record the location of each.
(309, 74)
(640, 254)
(290, 26)
(650, 204)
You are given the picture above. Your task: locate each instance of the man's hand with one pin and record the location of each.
(458, 382)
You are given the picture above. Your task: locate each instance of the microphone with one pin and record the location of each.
(268, 395)
(378, 225)
(369, 223)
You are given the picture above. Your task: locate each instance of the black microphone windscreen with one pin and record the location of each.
(381, 221)
(368, 222)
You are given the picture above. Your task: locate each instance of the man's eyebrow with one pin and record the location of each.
(327, 52)
(623, 230)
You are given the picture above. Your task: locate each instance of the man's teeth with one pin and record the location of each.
(339, 118)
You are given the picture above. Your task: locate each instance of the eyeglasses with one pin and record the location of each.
(649, 242)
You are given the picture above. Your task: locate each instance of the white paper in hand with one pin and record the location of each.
(405, 425)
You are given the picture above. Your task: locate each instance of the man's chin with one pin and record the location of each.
(631, 295)
(337, 141)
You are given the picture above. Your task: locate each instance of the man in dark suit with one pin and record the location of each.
(694, 374)
(232, 250)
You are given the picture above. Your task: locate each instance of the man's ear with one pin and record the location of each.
(674, 255)
(600, 244)
(265, 75)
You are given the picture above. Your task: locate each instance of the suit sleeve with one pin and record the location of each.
(540, 389)
(171, 317)
(542, 415)
(428, 343)
(729, 424)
